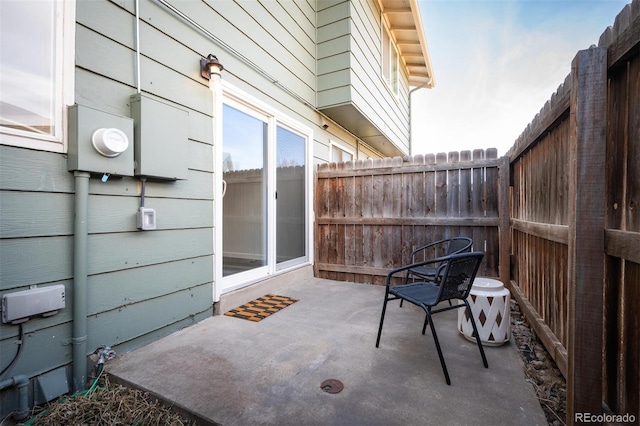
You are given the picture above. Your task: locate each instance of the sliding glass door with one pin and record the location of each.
(265, 202)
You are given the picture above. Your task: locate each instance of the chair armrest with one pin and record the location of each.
(394, 271)
(426, 246)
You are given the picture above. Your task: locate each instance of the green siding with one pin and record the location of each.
(340, 78)
(332, 63)
(37, 260)
(333, 96)
(330, 49)
(33, 171)
(44, 348)
(119, 289)
(96, 47)
(48, 213)
(334, 30)
(275, 27)
(94, 91)
(253, 37)
(129, 322)
(134, 249)
(349, 63)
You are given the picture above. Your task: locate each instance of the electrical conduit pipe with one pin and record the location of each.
(81, 235)
(22, 383)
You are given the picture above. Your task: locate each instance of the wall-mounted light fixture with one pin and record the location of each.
(210, 65)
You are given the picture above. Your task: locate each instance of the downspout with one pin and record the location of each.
(80, 250)
(81, 235)
(22, 383)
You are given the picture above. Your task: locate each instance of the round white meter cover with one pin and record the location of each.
(110, 142)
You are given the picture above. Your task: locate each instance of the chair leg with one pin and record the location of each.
(406, 281)
(435, 339)
(384, 310)
(476, 334)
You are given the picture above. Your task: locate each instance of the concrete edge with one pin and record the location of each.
(171, 405)
(239, 297)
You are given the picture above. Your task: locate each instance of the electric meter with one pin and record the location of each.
(110, 142)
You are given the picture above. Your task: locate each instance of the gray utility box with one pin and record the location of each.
(84, 155)
(20, 306)
(161, 135)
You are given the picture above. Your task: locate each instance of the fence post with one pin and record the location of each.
(587, 154)
(504, 227)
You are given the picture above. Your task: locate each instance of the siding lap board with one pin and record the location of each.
(114, 290)
(217, 17)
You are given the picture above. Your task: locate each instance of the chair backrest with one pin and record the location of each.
(459, 245)
(458, 272)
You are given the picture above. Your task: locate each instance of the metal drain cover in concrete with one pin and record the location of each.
(331, 386)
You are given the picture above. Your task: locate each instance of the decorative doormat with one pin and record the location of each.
(262, 307)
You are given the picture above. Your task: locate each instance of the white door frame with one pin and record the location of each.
(227, 92)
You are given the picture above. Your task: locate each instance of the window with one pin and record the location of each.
(340, 153)
(389, 60)
(32, 59)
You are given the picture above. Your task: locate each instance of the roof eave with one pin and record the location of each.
(415, 11)
(403, 17)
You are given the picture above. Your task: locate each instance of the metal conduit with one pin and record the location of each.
(22, 383)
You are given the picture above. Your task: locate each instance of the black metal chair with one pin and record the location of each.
(454, 278)
(446, 247)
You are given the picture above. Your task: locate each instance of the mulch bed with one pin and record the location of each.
(108, 404)
(540, 369)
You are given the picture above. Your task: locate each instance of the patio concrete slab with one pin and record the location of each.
(232, 371)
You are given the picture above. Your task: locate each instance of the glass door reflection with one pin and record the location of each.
(244, 168)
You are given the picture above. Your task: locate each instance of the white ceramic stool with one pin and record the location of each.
(489, 302)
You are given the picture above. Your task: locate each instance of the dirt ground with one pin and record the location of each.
(540, 369)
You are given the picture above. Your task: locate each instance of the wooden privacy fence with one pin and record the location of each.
(576, 225)
(371, 214)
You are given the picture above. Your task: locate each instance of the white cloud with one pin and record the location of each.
(495, 65)
(26, 90)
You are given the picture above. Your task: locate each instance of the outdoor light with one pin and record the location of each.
(210, 65)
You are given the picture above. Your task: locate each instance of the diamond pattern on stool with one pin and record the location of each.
(490, 313)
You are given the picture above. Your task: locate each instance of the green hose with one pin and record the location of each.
(95, 381)
(86, 394)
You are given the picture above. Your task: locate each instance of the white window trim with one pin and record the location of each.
(343, 146)
(393, 47)
(65, 86)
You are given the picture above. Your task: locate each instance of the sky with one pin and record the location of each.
(496, 63)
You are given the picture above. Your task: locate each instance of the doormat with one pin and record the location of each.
(262, 307)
